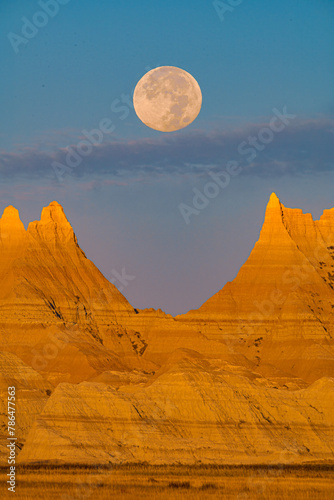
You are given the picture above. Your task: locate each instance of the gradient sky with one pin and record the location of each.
(123, 198)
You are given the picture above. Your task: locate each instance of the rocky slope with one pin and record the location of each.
(248, 377)
(279, 310)
(54, 303)
(192, 412)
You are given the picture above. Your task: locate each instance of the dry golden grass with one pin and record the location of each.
(144, 482)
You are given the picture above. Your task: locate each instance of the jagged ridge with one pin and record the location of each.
(245, 378)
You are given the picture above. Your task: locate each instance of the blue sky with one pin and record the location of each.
(123, 198)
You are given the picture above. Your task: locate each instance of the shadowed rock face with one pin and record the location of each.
(248, 377)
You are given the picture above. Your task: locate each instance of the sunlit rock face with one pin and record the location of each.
(50, 289)
(248, 377)
(192, 413)
(33, 391)
(51, 293)
(49, 271)
(279, 310)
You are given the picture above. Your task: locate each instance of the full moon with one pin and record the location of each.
(167, 99)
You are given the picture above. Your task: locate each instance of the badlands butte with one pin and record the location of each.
(246, 378)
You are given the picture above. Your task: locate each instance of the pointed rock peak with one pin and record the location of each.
(11, 227)
(10, 212)
(273, 220)
(53, 225)
(55, 204)
(11, 218)
(274, 201)
(54, 212)
(274, 210)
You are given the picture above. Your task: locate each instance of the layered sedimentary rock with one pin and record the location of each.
(248, 377)
(46, 278)
(53, 298)
(193, 412)
(279, 310)
(31, 394)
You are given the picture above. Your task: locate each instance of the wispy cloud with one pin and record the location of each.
(305, 147)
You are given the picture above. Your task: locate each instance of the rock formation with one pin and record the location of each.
(279, 310)
(248, 377)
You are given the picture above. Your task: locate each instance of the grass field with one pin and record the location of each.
(144, 482)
